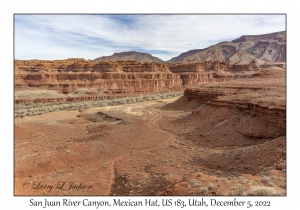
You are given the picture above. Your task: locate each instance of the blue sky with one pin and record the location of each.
(165, 36)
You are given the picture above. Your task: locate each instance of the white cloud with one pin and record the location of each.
(92, 36)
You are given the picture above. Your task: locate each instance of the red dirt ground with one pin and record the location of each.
(146, 151)
(150, 148)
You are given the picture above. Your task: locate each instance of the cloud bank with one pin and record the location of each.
(53, 37)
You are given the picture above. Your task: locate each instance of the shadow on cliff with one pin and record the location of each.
(181, 104)
(234, 140)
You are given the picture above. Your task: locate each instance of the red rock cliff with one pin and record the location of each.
(115, 78)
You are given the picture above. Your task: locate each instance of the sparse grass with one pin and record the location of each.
(273, 177)
(211, 186)
(203, 190)
(267, 180)
(254, 184)
(283, 186)
(224, 179)
(271, 184)
(265, 172)
(194, 183)
(264, 178)
(240, 191)
(279, 178)
(263, 191)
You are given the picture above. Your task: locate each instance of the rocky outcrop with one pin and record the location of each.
(263, 95)
(273, 114)
(266, 48)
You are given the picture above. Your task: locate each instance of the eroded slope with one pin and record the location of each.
(209, 142)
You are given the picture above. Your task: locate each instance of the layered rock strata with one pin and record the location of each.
(81, 80)
(75, 80)
(262, 95)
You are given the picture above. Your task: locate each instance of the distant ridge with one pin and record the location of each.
(184, 55)
(277, 36)
(265, 48)
(132, 55)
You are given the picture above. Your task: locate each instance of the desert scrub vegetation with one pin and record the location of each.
(194, 183)
(255, 190)
(239, 191)
(263, 191)
(211, 186)
(33, 109)
(203, 190)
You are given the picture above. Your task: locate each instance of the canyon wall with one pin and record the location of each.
(79, 79)
(262, 95)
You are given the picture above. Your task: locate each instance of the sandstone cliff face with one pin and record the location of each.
(263, 95)
(267, 48)
(78, 79)
(195, 74)
(122, 78)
